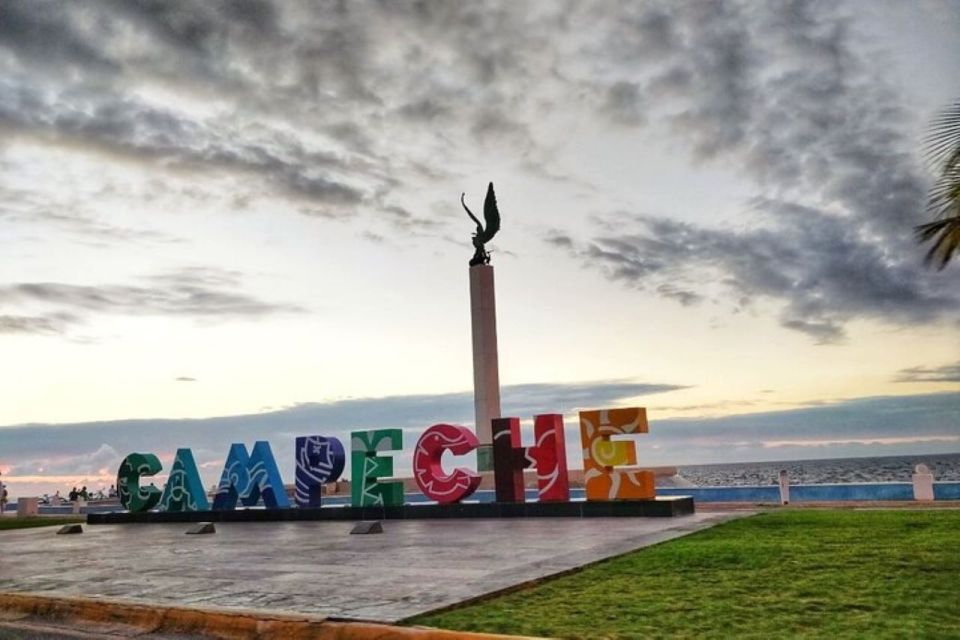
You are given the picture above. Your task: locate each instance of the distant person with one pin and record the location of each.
(112, 492)
(84, 494)
(73, 494)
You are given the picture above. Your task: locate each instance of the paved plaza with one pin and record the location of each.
(318, 567)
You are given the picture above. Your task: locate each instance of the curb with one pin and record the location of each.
(217, 623)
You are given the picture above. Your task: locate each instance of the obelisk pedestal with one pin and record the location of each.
(486, 369)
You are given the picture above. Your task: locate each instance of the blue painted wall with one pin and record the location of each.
(768, 493)
(946, 490)
(815, 492)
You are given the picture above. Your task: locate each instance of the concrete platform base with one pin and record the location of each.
(318, 568)
(661, 507)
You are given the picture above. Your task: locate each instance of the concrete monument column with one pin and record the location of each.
(486, 368)
(483, 317)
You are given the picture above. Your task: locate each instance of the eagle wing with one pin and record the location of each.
(470, 213)
(491, 215)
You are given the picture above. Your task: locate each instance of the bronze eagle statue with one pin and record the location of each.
(491, 216)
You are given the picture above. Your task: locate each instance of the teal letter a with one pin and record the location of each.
(184, 490)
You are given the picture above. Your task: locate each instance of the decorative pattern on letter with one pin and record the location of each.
(133, 497)
(428, 471)
(184, 489)
(249, 478)
(507, 465)
(548, 456)
(601, 455)
(319, 460)
(368, 467)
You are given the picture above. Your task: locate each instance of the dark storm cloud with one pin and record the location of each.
(945, 373)
(683, 296)
(783, 93)
(823, 279)
(425, 109)
(720, 59)
(494, 121)
(822, 331)
(187, 44)
(405, 220)
(641, 34)
(102, 39)
(41, 34)
(71, 215)
(133, 132)
(339, 69)
(623, 103)
(200, 293)
(350, 107)
(558, 239)
(53, 324)
(816, 264)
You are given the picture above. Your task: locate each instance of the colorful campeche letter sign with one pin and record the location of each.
(608, 465)
(250, 478)
(133, 497)
(548, 456)
(601, 455)
(319, 460)
(368, 467)
(184, 489)
(428, 470)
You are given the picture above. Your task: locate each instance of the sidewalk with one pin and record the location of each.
(318, 568)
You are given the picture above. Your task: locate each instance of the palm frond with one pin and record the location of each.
(945, 234)
(943, 200)
(942, 142)
(942, 152)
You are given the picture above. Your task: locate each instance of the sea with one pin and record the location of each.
(945, 467)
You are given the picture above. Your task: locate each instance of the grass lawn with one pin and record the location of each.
(7, 523)
(789, 573)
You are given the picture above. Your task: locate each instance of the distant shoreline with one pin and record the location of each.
(945, 467)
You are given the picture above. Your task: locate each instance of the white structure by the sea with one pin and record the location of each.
(922, 483)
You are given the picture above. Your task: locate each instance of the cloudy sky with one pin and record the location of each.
(236, 220)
